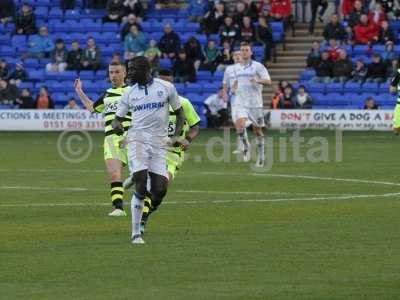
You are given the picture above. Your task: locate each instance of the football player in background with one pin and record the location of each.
(230, 85)
(115, 157)
(251, 77)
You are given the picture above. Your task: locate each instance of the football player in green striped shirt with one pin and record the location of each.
(394, 87)
(175, 154)
(115, 156)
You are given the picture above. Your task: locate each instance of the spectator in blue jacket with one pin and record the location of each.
(169, 43)
(135, 43)
(40, 45)
(197, 9)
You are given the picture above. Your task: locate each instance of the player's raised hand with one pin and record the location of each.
(78, 84)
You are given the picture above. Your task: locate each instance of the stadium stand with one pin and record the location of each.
(78, 24)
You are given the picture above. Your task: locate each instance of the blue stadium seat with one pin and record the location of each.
(31, 63)
(352, 87)
(6, 51)
(378, 49)
(41, 12)
(26, 85)
(370, 87)
(181, 88)
(321, 100)
(58, 26)
(361, 50)
(146, 26)
(194, 88)
(395, 25)
(36, 75)
(191, 27)
(307, 74)
(157, 36)
(165, 63)
(314, 87)
(218, 76)
(55, 13)
(101, 75)
(86, 75)
(203, 76)
(74, 26)
(18, 41)
(384, 88)
(51, 76)
(72, 14)
(46, 3)
(212, 87)
(90, 25)
(110, 27)
(336, 87)
(67, 76)
(337, 100)
(277, 36)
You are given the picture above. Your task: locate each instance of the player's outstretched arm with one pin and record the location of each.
(82, 96)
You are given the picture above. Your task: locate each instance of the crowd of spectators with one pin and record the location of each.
(286, 97)
(364, 23)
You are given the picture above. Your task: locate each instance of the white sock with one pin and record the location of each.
(244, 140)
(137, 204)
(261, 148)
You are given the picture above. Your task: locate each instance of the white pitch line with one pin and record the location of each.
(256, 193)
(348, 197)
(354, 180)
(83, 189)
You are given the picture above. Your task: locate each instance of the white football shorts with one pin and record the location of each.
(145, 156)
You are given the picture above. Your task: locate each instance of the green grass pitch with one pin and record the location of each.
(312, 230)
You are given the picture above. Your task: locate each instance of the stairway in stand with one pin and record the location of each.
(291, 61)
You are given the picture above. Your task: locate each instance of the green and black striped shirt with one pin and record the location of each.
(108, 104)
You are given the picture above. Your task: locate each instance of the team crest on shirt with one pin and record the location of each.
(160, 93)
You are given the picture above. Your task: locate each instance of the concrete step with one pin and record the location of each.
(318, 25)
(299, 64)
(292, 52)
(285, 70)
(290, 59)
(302, 39)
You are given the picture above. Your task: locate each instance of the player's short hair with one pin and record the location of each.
(165, 72)
(245, 44)
(116, 63)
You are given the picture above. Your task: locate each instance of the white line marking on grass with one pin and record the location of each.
(39, 188)
(354, 180)
(348, 197)
(256, 193)
(54, 170)
(82, 189)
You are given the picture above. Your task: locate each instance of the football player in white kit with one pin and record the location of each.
(148, 100)
(251, 76)
(230, 85)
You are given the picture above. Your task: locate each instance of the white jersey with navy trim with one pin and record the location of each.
(150, 109)
(249, 94)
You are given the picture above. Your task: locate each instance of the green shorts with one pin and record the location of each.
(174, 162)
(396, 116)
(112, 149)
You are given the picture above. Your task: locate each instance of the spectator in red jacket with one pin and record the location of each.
(281, 8)
(366, 32)
(334, 50)
(347, 7)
